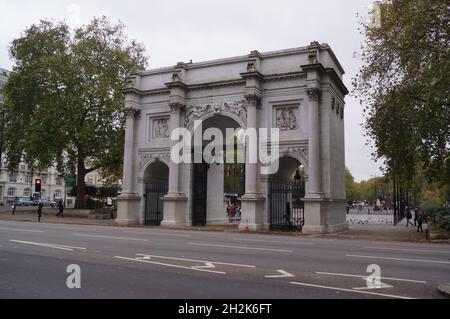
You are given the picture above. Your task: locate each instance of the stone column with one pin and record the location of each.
(175, 200)
(128, 163)
(315, 183)
(253, 200)
(315, 207)
(128, 201)
(174, 168)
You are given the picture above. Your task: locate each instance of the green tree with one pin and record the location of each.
(350, 186)
(404, 87)
(65, 97)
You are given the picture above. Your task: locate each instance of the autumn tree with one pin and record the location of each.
(65, 97)
(404, 87)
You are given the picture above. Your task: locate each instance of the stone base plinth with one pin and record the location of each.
(128, 206)
(174, 210)
(252, 211)
(324, 215)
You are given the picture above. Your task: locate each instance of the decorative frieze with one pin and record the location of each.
(236, 108)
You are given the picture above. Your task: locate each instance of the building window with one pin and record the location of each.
(22, 167)
(26, 192)
(12, 177)
(11, 191)
(58, 180)
(28, 178)
(43, 179)
(57, 194)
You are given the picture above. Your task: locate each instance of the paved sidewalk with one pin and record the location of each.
(399, 233)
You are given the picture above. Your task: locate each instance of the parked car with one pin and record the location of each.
(46, 202)
(24, 202)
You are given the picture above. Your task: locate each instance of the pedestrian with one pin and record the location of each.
(408, 217)
(60, 209)
(419, 215)
(14, 204)
(416, 213)
(39, 211)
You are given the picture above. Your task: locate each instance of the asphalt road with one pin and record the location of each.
(118, 262)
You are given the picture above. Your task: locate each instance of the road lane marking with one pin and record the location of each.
(350, 290)
(284, 274)
(159, 234)
(110, 237)
(48, 245)
(199, 261)
(242, 247)
(269, 241)
(407, 249)
(23, 230)
(401, 259)
(170, 265)
(359, 276)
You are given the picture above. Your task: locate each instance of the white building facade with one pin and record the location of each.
(21, 184)
(299, 91)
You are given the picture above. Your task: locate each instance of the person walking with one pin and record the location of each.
(419, 215)
(408, 217)
(60, 209)
(14, 205)
(39, 211)
(416, 213)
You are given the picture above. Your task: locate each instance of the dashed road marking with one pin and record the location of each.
(48, 245)
(349, 290)
(110, 237)
(408, 249)
(284, 274)
(401, 259)
(382, 278)
(242, 247)
(23, 230)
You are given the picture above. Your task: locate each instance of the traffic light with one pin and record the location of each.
(37, 185)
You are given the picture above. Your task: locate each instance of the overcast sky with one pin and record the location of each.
(174, 31)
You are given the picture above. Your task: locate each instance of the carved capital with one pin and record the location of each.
(131, 112)
(313, 93)
(253, 99)
(176, 106)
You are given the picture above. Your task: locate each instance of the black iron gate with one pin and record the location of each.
(286, 206)
(153, 202)
(200, 190)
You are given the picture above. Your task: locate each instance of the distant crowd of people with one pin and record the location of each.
(233, 212)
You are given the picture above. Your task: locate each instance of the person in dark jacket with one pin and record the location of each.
(408, 217)
(14, 205)
(420, 217)
(60, 209)
(39, 211)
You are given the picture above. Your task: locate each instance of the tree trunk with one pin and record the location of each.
(81, 186)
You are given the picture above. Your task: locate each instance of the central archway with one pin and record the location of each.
(218, 185)
(156, 180)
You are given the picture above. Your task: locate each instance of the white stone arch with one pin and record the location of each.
(242, 124)
(149, 159)
(296, 153)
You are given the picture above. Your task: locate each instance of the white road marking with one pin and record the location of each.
(158, 234)
(350, 290)
(241, 247)
(110, 237)
(195, 260)
(359, 276)
(382, 286)
(24, 230)
(269, 241)
(48, 245)
(284, 274)
(401, 259)
(170, 265)
(407, 249)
